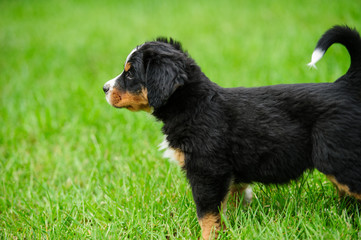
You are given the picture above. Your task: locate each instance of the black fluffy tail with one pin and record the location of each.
(344, 35)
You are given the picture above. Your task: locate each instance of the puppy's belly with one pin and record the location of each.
(272, 170)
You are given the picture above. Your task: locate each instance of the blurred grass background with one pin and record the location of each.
(72, 167)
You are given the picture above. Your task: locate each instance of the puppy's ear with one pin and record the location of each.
(164, 76)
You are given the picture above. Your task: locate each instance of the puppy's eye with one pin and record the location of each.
(129, 75)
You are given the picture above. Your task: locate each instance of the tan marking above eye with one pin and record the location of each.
(127, 66)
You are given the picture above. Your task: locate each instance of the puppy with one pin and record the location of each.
(227, 138)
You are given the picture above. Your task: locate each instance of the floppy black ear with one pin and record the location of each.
(163, 77)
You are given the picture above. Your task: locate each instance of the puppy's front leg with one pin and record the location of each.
(210, 224)
(210, 195)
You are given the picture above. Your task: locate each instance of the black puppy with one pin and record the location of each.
(225, 139)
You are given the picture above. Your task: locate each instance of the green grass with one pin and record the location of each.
(72, 167)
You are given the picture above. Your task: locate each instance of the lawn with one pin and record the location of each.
(73, 167)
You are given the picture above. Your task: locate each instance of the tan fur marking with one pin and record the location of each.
(127, 66)
(238, 188)
(133, 102)
(179, 156)
(343, 188)
(236, 192)
(210, 225)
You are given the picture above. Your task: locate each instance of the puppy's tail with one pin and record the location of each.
(344, 35)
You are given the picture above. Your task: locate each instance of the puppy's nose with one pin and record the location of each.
(106, 88)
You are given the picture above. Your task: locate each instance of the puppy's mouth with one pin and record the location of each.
(132, 101)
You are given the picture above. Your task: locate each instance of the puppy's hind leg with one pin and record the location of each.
(343, 189)
(240, 190)
(341, 193)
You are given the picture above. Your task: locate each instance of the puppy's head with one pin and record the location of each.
(152, 73)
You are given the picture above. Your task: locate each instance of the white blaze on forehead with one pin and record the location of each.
(131, 53)
(110, 84)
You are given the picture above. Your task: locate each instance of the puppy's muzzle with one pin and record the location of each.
(106, 88)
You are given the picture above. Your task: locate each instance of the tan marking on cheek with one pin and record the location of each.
(127, 66)
(133, 102)
(115, 97)
(343, 188)
(210, 225)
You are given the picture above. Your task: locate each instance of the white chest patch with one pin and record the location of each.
(131, 53)
(174, 155)
(168, 153)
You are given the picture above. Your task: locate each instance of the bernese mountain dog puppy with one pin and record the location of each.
(227, 138)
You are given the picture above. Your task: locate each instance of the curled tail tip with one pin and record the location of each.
(316, 56)
(312, 65)
(344, 35)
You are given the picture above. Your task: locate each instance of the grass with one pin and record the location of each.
(72, 167)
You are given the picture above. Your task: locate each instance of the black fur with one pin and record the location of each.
(266, 134)
(162, 76)
(347, 37)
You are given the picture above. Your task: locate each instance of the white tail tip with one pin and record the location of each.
(316, 56)
(312, 65)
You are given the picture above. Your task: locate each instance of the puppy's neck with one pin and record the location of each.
(186, 101)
